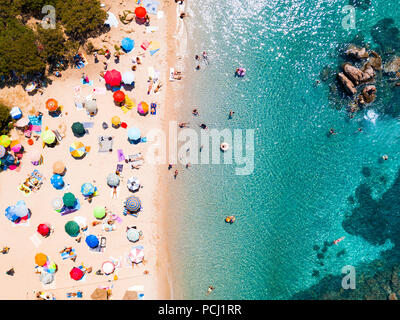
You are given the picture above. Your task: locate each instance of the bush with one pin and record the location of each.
(5, 119)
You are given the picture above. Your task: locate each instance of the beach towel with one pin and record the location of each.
(35, 240)
(90, 83)
(36, 123)
(154, 47)
(151, 29)
(65, 210)
(66, 255)
(153, 109)
(121, 156)
(100, 90)
(151, 6)
(88, 125)
(112, 21)
(105, 143)
(79, 105)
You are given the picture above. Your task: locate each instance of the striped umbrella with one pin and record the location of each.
(133, 204)
(136, 255)
(52, 105)
(5, 141)
(2, 151)
(87, 189)
(77, 149)
(57, 181)
(143, 108)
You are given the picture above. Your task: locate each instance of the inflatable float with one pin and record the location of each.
(224, 146)
(240, 72)
(230, 219)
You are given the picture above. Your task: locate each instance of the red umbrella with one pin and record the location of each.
(119, 96)
(140, 12)
(113, 78)
(43, 229)
(76, 274)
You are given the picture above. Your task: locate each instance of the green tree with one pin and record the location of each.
(18, 50)
(80, 17)
(5, 119)
(51, 43)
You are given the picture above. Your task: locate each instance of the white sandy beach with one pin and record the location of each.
(23, 239)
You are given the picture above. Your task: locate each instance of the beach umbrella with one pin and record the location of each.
(113, 78)
(140, 12)
(91, 106)
(57, 203)
(133, 184)
(76, 274)
(2, 151)
(154, 47)
(134, 133)
(136, 254)
(48, 136)
(51, 267)
(51, 105)
(22, 122)
(143, 108)
(119, 96)
(30, 87)
(40, 259)
(58, 167)
(99, 212)
(128, 77)
(132, 234)
(5, 141)
(43, 229)
(69, 199)
(57, 181)
(113, 180)
(46, 278)
(72, 228)
(9, 159)
(127, 44)
(78, 129)
(81, 221)
(87, 189)
(133, 204)
(16, 147)
(108, 267)
(92, 241)
(20, 209)
(77, 149)
(116, 121)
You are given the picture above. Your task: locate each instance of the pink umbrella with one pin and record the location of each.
(136, 255)
(17, 148)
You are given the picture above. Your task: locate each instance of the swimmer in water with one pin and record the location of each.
(332, 131)
(203, 126)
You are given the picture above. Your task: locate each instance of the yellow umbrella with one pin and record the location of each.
(116, 121)
(77, 149)
(5, 141)
(48, 136)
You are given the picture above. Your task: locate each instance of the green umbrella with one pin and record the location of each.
(69, 199)
(72, 228)
(78, 129)
(99, 212)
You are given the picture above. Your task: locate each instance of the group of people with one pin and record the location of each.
(205, 59)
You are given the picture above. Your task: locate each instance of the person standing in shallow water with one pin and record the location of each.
(175, 173)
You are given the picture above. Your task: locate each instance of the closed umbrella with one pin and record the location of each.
(57, 203)
(140, 12)
(99, 212)
(127, 44)
(128, 77)
(92, 241)
(133, 204)
(134, 133)
(41, 259)
(43, 229)
(48, 136)
(72, 228)
(57, 182)
(132, 234)
(2, 151)
(51, 105)
(77, 149)
(113, 180)
(143, 108)
(87, 189)
(113, 78)
(136, 255)
(119, 96)
(108, 267)
(5, 141)
(91, 106)
(76, 274)
(46, 277)
(78, 129)
(58, 167)
(69, 199)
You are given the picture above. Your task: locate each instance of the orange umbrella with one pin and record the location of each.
(40, 259)
(52, 105)
(119, 96)
(58, 167)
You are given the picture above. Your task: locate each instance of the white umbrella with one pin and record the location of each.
(46, 278)
(133, 184)
(81, 221)
(136, 255)
(108, 267)
(128, 77)
(57, 203)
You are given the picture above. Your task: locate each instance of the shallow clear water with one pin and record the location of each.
(298, 195)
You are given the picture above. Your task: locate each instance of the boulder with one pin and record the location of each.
(368, 94)
(347, 83)
(356, 75)
(375, 61)
(357, 53)
(393, 296)
(368, 70)
(393, 65)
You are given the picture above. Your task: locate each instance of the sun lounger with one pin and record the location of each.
(133, 157)
(58, 135)
(66, 255)
(171, 74)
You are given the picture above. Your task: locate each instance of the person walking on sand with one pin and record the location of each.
(169, 166)
(203, 126)
(150, 86)
(175, 173)
(187, 165)
(114, 192)
(105, 65)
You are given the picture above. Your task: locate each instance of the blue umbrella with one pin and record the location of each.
(127, 44)
(134, 133)
(57, 181)
(87, 189)
(20, 210)
(92, 241)
(133, 204)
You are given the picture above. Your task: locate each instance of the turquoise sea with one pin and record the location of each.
(307, 188)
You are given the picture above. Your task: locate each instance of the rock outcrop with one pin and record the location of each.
(368, 95)
(357, 53)
(346, 82)
(393, 65)
(375, 61)
(356, 75)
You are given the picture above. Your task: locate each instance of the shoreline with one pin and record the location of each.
(152, 221)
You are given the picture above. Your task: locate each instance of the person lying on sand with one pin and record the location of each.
(183, 124)
(158, 87)
(5, 250)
